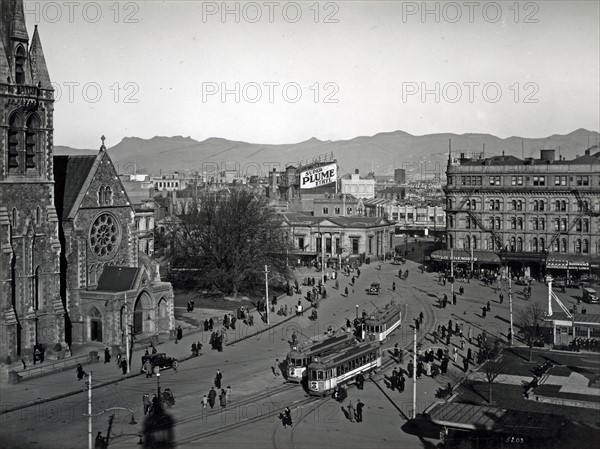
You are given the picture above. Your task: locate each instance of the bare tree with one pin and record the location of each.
(494, 363)
(230, 238)
(529, 320)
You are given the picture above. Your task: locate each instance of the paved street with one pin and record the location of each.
(257, 393)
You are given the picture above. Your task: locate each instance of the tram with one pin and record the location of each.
(382, 323)
(298, 360)
(324, 374)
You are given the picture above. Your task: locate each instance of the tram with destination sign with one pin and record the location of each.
(380, 324)
(299, 359)
(326, 373)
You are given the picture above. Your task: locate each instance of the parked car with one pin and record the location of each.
(161, 360)
(399, 260)
(375, 288)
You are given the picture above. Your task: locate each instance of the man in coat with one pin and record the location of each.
(106, 356)
(218, 378)
(212, 396)
(359, 408)
(147, 403)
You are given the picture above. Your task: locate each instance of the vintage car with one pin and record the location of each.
(399, 260)
(374, 288)
(161, 360)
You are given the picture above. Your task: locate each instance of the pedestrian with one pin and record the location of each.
(351, 412)
(106, 356)
(419, 369)
(393, 286)
(470, 334)
(275, 368)
(469, 354)
(454, 299)
(489, 307)
(179, 334)
(410, 368)
(394, 379)
(466, 364)
(212, 395)
(455, 354)
(421, 318)
(80, 372)
(155, 405)
(147, 403)
(218, 378)
(228, 393)
(484, 311)
(353, 279)
(148, 368)
(448, 339)
(204, 402)
(346, 291)
(428, 369)
(223, 398)
(401, 382)
(360, 381)
(501, 298)
(288, 417)
(100, 441)
(211, 324)
(462, 343)
(124, 366)
(359, 409)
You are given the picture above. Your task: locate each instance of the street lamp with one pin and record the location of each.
(157, 372)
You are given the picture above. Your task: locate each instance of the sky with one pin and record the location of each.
(284, 72)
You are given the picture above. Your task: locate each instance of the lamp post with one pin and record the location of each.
(510, 304)
(127, 335)
(157, 372)
(267, 292)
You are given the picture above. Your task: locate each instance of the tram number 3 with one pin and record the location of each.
(515, 440)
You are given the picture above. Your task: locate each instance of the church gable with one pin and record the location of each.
(103, 187)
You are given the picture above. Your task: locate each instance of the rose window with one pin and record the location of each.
(104, 235)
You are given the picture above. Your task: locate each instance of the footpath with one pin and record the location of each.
(62, 384)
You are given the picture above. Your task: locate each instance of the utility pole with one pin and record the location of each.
(452, 274)
(414, 413)
(127, 336)
(267, 292)
(511, 307)
(90, 446)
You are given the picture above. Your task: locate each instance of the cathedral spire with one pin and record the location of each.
(39, 71)
(18, 29)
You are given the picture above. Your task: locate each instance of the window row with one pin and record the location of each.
(515, 244)
(519, 180)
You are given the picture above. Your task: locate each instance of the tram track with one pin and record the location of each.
(242, 423)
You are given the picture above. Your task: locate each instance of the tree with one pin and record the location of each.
(230, 238)
(494, 363)
(529, 320)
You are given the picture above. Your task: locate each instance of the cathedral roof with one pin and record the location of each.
(70, 174)
(117, 279)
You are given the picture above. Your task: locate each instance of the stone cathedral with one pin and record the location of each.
(70, 271)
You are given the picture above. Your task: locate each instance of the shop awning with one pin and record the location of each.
(461, 255)
(568, 261)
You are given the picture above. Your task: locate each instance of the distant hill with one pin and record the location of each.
(383, 152)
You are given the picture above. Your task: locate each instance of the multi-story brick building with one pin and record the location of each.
(537, 214)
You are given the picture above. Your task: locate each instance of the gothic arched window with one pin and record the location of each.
(14, 126)
(31, 143)
(20, 65)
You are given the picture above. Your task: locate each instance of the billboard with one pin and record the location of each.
(318, 176)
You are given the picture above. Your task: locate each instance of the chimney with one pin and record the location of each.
(356, 171)
(547, 155)
(587, 152)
